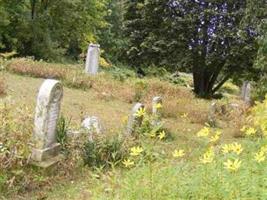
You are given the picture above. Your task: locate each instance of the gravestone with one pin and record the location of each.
(156, 110)
(246, 92)
(212, 114)
(247, 97)
(92, 126)
(92, 59)
(46, 148)
(134, 121)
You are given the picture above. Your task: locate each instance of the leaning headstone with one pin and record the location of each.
(46, 148)
(92, 126)
(134, 120)
(92, 59)
(246, 92)
(247, 95)
(243, 89)
(156, 110)
(212, 114)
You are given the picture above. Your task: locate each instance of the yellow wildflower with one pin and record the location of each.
(216, 137)
(232, 165)
(141, 112)
(250, 131)
(236, 148)
(136, 151)
(178, 153)
(243, 129)
(158, 106)
(226, 148)
(152, 134)
(162, 135)
(128, 163)
(208, 157)
(204, 132)
(259, 157)
(264, 149)
(124, 119)
(185, 115)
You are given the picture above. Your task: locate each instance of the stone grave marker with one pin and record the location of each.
(134, 121)
(246, 92)
(92, 126)
(156, 110)
(46, 149)
(92, 59)
(212, 114)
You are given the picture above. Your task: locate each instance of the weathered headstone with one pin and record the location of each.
(92, 59)
(92, 126)
(46, 149)
(246, 92)
(134, 120)
(156, 110)
(212, 114)
(247, 97)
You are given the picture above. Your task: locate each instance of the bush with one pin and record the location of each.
(62, 131)
(103, 152)
(260, 89)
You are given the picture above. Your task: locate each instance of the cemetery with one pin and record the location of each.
(112, 118)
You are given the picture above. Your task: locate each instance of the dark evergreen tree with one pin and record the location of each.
(213, 39)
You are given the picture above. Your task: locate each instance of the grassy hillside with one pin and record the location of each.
(157, 173)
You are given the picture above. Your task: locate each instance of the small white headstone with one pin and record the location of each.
(92, 125)
(46, 116)
(92, 59)
(134, 121)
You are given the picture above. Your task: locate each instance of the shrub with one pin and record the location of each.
(103, 152)
(62, 131)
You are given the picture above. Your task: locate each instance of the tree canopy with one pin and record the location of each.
(213, 39)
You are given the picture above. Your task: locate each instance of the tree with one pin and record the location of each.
(111, 36)
(133, 30)
(213, 39)
(50, 29)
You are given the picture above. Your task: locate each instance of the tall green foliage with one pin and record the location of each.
(213, 39)
(111, 36)
(50, 29)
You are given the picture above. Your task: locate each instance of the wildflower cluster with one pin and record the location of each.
(140, 113)
(232, 165)
(135, 151)
(249, 131)
(257, 120)
(204, 132)
(234, 147)
(178, 153)
(207, 131)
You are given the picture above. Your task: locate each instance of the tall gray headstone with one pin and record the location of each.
(46, 147)
(92, 59)
(134, 121)
(156, 110)
(247, 97)
(246, 92)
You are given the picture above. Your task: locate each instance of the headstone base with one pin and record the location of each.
(40, 155)
(48, 163)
